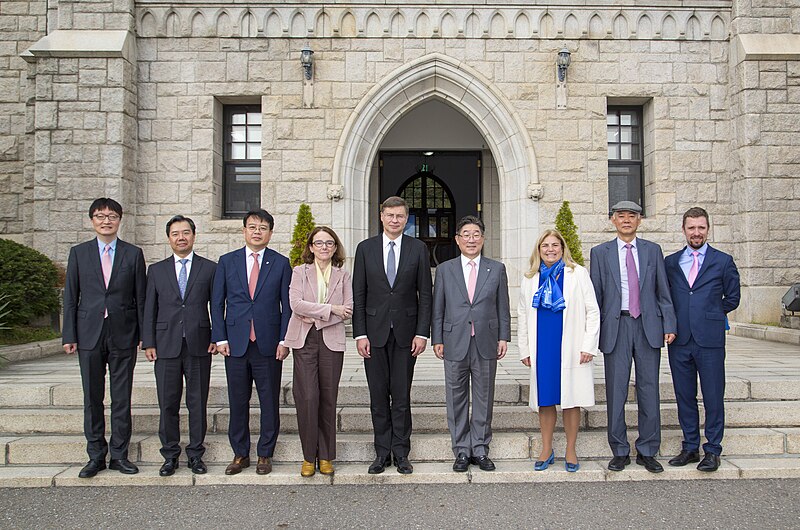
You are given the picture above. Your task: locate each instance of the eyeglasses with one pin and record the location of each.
(328, 244)
(102, 217)
(254, 228)
(474, 236)
(395, 216)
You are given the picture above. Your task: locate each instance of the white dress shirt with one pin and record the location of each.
(623, 268)
(178, 259)
(397, 243)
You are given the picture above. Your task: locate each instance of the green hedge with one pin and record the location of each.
(30, 281)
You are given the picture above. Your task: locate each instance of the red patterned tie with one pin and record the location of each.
(252, 285)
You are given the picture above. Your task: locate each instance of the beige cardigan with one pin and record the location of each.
(581, 333)
(307, 312)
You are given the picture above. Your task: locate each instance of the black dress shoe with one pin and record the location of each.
(197, 465)
(685, 457)
(709, 463)
(91, 468)
(379, 465)
(484, 462)
(124, 466)
(169, 467)
(618, 463)
(404, 467)
(461, 464)
(649, 463)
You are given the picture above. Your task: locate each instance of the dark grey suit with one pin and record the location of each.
(390, 317)
(470, 357)
(180, 331)
(623, 339)
(103, 341)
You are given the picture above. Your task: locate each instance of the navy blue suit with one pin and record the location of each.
(700, 344)
(232, 310)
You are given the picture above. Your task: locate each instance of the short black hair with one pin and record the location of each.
(470, 220)
(261, 215)
(179, 219)
(104, 202)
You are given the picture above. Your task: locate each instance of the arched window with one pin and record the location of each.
(431, 216)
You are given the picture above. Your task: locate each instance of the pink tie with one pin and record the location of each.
(252, 285)
(473, 280)
(106, 264)
(695, 267)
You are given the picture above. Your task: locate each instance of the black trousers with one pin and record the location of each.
(170, 374)
(390, 371)
(120, 365)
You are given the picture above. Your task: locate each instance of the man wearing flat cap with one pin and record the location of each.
(636, 318)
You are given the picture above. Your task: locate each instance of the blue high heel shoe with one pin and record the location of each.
(570, 467)
(541, 465)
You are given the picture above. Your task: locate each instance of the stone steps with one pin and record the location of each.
(70, 394)
(426, 418)
(508, 471)
(25, 450)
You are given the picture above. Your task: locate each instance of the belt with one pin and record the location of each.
(625, 313)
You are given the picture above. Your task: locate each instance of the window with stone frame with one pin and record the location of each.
(625, 155)
(242, 160)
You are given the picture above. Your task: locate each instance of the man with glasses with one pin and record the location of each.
(249, 316)
(391, 323)
(103, 314)
(471, 329)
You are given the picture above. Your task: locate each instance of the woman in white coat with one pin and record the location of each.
(558, 331)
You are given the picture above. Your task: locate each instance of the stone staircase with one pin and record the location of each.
(41, 420)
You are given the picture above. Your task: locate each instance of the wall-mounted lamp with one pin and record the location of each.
(307, 60)
(562, 61)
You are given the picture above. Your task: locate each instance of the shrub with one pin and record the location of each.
(566, 225)
(29, 279)
(303, 227)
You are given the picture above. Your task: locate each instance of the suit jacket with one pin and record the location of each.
(168, 317)
(232, 309)
(307, 312)
(454, 314)
(658, 315)
(86, 297)
(377, 306)
(581, 333)
(701, 308)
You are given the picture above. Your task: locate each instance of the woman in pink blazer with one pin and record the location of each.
(322, 299)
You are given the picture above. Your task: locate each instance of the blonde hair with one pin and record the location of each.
(536, 256)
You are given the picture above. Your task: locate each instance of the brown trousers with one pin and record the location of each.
(315, 387)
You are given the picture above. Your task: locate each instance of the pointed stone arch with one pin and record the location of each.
(437, 76)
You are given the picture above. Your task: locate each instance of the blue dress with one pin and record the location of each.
(549, 329)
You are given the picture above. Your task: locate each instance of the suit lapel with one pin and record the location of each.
(240, 264)
(405, 250)
(336, 277)
(711, 255)
(197, 266)
(642, 251)
(266, 266)
(484, 269)
(458, 277)
(612, 257)
(95, 260)
(119, 255)
(172, 278)
(377, 255)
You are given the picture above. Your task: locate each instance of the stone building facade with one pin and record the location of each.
(127, 98)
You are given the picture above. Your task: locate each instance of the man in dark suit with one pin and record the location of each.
(471, 330)
(103, 310)
(636, 317)
(391, 323)
(249, 314)
(177, 336)
(704, 283)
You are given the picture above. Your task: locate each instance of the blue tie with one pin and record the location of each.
(391, 268)
(182, 277)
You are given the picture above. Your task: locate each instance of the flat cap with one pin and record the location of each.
(626, 206)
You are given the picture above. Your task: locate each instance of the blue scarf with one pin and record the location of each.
(549, 295)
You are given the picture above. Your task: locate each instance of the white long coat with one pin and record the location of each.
(581, 319)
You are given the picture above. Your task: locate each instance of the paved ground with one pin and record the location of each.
(677, 504)
(746, 358)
